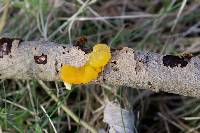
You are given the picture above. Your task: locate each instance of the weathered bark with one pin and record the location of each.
(43, 60)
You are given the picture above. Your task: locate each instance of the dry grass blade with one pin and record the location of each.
(4, 15)
(66, 109)
(179, 14)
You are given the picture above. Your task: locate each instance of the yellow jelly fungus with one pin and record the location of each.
(100, 55)
(98, 58)
(89, 73)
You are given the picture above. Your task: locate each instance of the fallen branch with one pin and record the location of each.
(42, 60)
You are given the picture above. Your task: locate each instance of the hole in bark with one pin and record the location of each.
(6, 45)
(63, 47)
(42, 59)
(64, 53)
(175, 61)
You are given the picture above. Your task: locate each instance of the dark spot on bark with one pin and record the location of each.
(115, 69)
(149, 83)
(138, 67)
(61, 65)
(113, 65)
(152, 87)
(114, 62)
(64, 53)
(6, 45)
(56, 67)
(175, 61)
(35, 48)
(104, 79)
(63, 47)
(86, 50)
(42, 59)
(10, 56)
(67, 51)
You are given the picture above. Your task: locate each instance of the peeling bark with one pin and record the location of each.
(43, 60)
